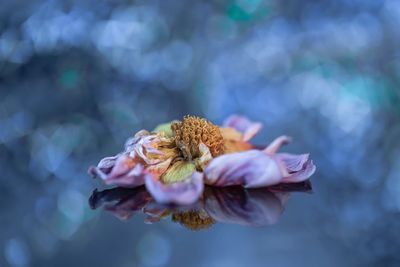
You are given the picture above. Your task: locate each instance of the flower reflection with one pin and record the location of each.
(177, 159)
(233, 205)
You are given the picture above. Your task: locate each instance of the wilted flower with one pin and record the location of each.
(176, 159)
(233, 205)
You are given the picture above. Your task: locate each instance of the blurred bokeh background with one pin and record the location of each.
(78, 77)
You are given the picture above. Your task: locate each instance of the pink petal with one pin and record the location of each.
(106, 164)
(184, 193)
(141, 144)
(255, 207)
(277, 143)
(125, 172)
(299, 167)
(251, 169)
(243, 125)
(293, 162)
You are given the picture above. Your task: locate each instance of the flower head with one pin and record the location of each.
(176, 159)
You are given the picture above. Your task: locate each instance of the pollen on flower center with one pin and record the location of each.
(192, 131)
(193, 220)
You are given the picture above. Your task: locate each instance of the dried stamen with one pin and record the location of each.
(192, 131)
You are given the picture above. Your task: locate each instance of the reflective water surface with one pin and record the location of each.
(236, 205)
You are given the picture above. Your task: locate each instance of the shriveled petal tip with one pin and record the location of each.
(152, 148)
(125, 172)
(251, 169)
(105, 165)
(243, 125)
(182, 193)
(205, 156)
(298, 167)
(277, 143)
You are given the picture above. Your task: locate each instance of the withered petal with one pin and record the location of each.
(277, 143)
(125, 172)
(251, 169)
(245, 126)
(299, 167)
(183, 193)
(255, 168)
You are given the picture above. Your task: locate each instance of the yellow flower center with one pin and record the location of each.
(192, 131)
(193, 220)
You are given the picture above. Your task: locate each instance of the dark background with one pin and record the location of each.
(79, 77)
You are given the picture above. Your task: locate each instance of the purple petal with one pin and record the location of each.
(106, 164)
(299, 167)
(292, 162)
(184, 193)
(251, 169)
(125, 172)
(243, 125)
(255, 207)
(277, 143)
(142, 144)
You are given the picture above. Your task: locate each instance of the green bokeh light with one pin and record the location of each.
(70, 78)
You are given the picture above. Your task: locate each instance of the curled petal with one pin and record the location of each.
(141, 144)
(243, 125)
(152, 148)
(298, 167)
(255, 168)
(125, 172)
(254, 207)
(251, 169)
(184, 193)
(106, 164)
(159, 168)
(293, 163)
(277, 143)
(205, 156)
(231, 134)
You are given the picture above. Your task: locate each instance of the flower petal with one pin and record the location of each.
(299, 167)
(159, 168)
(183, 193)
(205, 157)
(254, 207)
(293, 162)
(165, 128)
(178, 172)
(152, 148)
(231, 134)
(243, 125)
(106, 164)
(277, 143)
(125, 172)
(251, 169)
